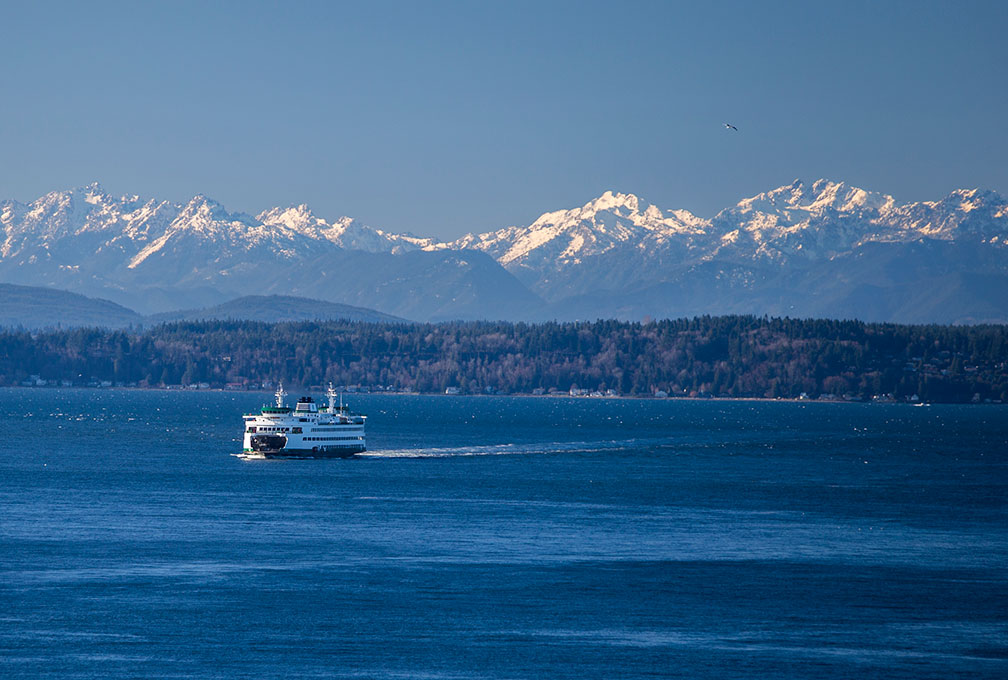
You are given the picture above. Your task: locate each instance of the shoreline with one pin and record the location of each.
(523, 395)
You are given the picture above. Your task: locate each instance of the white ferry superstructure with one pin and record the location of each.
(306, 431)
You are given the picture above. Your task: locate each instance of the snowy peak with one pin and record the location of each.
(964, 213)
(300, 219)
(296, 217)
(200, 221)
(811, 200)
(611, 221)
(344, 232)
(810, 220)
(205, 219)
(56, 215)
(966, 201)
(94, 194)
(613, 202)
(205, 213)
(824, 194)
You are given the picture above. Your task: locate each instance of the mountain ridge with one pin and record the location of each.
(34, 308)
(38, 308)
(275, 308)
(158, 255)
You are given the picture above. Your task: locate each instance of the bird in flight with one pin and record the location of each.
(729, 126)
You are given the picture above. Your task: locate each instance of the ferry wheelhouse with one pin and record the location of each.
(305, 431)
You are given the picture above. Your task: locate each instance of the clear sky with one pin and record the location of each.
(441, 118)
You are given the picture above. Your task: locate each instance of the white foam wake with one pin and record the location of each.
(533, 448)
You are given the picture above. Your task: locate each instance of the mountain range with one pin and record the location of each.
(822, 249)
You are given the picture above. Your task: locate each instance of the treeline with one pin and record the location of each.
(731, 356)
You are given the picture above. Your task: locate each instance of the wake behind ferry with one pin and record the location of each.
(306, 431)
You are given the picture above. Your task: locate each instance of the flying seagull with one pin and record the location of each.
(729, 126)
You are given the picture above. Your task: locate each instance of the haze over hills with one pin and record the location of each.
(275, 308)
(35, 308)
(823, 249)
(32, 308)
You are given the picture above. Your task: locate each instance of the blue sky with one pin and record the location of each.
(442, 118)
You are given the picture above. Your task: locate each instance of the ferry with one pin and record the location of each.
(305, 431)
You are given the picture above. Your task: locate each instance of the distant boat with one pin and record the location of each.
(306, 431)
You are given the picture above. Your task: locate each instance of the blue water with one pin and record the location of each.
(504, 538)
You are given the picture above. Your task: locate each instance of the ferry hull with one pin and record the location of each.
(301, 454)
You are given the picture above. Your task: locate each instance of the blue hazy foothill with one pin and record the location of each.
(34, 307)
(275, 309)
(37, 307)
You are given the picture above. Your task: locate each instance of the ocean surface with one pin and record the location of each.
(497, 537)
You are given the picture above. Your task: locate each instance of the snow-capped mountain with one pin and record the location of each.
(816, 249)
(826, 219)
(611, 221)
(344, 232)
(156, 256)
(553, 254)
(813, 221)
(145, 228)
(808, 221)
(81, 216)
(623, 255)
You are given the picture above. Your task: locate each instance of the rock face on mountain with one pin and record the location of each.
(819, 249)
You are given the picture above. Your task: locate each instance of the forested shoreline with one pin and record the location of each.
(730, 356)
